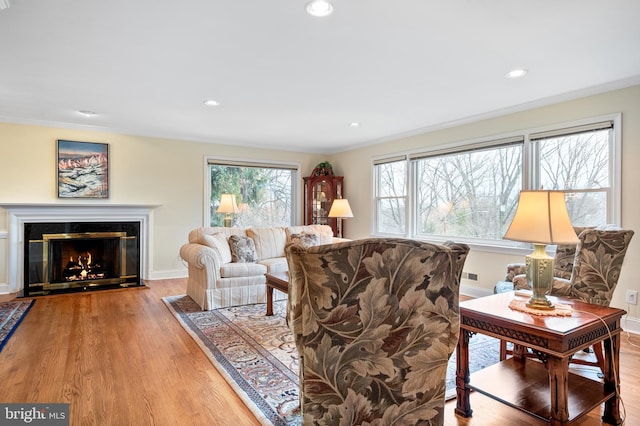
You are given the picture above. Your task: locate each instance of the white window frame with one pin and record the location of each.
(529, 178)
(614, 207)
(376, 193)
(234, 161)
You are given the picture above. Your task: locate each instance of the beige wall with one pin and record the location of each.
(166, 173)
(169, 174)
(490, 267)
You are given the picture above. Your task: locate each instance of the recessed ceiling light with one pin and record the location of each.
(211, 102)
(319, 8)
(87, 113)
(354, 124)
(516, 73)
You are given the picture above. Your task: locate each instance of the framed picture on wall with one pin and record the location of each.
(83, 169)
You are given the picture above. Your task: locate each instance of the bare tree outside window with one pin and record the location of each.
(470, 194)
(579, 165)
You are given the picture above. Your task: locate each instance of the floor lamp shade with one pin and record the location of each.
(227, 205)
(541, 218)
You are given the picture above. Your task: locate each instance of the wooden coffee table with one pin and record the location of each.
(542, 387)
(279, 281)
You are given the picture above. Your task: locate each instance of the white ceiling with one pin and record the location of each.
(287, 80)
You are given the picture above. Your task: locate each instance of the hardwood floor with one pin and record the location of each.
(120, 358)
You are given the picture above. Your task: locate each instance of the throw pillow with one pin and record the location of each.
(243, 249)
(305, 239)
(325, 233)
(219, 242)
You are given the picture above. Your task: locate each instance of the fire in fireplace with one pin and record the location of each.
(83, 268)
(81, 256)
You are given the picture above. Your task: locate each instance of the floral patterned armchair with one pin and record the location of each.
(375, 322)
(596, 267)
(595, 274)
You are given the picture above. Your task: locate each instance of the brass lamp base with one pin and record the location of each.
(540, 277)
(227, 221)
(543, 303)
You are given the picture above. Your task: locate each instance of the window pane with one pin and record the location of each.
(587, 208)
(579, 161)
(391, 196)
(391, 215)
(469, 194)
(263, 195)
(391, 179)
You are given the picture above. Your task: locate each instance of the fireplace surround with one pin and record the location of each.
(20, 215)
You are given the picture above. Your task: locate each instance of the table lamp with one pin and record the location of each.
(340, 209)
(541, 218)
(228, 206)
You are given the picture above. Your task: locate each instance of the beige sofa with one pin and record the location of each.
(219, 276)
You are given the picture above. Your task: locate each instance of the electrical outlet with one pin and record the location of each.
(632, 297)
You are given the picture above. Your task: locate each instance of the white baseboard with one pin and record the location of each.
(631, 324)
(4, 288)
(474, 291)
(168, 274)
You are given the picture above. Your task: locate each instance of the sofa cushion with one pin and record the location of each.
(275, 264)
(324, 231)
(243, 250)
(219, 241)
(269, 242)
(232, 270)
(305, 239)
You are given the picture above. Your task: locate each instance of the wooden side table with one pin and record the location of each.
(279, 281)
(541, 387)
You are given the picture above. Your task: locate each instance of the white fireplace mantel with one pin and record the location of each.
(19, 214)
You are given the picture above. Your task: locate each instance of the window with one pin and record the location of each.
(391, 195)
(470, 191)
(578, 161)
(264, 192)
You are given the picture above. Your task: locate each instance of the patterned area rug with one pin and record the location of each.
(257, 356)
(11, 314)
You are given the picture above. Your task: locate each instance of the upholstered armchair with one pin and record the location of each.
(374, 322)
(515, 279)
(597, 266)
(596, 270)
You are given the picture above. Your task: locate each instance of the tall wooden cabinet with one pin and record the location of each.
(320, 189)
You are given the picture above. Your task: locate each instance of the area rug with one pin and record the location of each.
(11, 314)
(257, 356)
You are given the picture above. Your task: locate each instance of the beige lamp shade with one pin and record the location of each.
(542, 217)
(340, 208)
(228, 204)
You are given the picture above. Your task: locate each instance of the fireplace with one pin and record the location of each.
(21, 214)
(80, 256)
